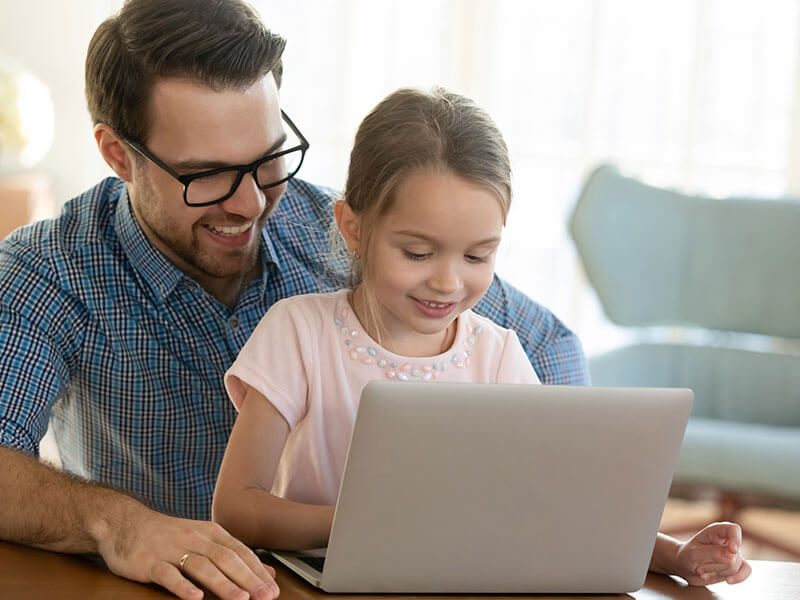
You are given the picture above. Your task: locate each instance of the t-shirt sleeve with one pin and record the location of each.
(514, 365)
(273, 361)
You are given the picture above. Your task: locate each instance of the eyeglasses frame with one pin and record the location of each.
(251, 168)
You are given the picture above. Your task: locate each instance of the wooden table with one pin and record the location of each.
(38, 575)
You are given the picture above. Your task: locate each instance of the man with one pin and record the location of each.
(119, 318)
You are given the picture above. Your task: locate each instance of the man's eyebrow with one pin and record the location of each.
(194, 164)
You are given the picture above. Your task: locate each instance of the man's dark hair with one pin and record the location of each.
(222, 44)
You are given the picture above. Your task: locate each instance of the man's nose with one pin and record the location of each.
(248, 200)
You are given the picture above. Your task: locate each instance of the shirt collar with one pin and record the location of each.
(256, 289)
(157, 271)
(267, 251)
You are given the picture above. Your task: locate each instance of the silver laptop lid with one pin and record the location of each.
(493, 488)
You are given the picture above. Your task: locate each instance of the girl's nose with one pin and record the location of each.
(445, 278)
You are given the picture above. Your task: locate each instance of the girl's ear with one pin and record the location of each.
(349, 224)
(114, 151)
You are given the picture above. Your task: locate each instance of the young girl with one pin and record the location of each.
(427, 195)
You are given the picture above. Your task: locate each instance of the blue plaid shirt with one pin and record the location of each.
(105, 338)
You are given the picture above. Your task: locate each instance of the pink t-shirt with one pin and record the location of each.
(310, 357)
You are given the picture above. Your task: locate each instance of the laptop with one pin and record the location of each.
(500, 488)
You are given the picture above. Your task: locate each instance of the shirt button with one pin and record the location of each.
(234, 323)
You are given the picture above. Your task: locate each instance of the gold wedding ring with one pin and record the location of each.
(183, 560)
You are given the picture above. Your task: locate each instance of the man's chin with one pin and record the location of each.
(224, 269)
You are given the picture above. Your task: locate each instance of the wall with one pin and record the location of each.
(49, 39)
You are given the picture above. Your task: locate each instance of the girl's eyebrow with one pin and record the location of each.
(426, 238)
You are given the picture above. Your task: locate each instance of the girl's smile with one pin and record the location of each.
(435, 310)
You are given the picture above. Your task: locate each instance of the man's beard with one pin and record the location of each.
(185, 245)
(222, 263)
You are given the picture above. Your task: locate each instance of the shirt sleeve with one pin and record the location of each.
(553, 350)
(39, 331)
(273, 361)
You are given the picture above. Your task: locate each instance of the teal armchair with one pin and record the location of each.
(722, 278)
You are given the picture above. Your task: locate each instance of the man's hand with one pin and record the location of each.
(46, 508)
(713, 555)
(146, 546)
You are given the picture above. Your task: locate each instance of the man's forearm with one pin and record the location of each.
(46, 508)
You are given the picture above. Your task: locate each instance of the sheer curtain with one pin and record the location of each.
(697, 95)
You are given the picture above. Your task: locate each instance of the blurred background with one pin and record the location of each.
(693, 94)
(696, 95)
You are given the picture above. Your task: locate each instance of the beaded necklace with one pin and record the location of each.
(369, 353)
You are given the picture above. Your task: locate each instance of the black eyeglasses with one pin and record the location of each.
(217, 185)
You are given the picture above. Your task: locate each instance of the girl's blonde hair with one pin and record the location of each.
(412, 130)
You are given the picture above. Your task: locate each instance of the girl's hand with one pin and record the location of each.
(713, 555)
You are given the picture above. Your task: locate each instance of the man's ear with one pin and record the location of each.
(114, 151)
(349, 224)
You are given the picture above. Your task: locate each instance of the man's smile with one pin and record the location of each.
(229, 230)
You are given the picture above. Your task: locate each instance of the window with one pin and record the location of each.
(696, 95)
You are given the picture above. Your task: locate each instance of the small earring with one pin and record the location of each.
(356, 255)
